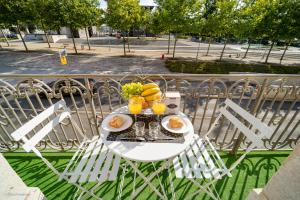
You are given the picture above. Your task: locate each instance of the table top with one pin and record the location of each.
(146, 151)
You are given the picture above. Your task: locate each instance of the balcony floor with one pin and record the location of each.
(254, 172)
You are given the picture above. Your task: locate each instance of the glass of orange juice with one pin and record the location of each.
(135, 107)
(159, 107)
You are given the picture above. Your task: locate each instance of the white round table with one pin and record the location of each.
(147, 151)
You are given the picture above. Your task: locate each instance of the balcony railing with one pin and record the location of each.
(275, 99)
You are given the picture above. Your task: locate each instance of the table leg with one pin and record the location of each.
(134, 180)
(204, 188)
(161, 186)
(147, 179)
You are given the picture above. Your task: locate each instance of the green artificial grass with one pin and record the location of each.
(254, 172)
(217, 67)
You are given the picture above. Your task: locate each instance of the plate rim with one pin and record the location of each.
(174, 131)
(113, 114)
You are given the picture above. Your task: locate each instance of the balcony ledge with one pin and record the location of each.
(13, 188)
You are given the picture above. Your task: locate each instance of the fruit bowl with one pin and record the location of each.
(144, 94)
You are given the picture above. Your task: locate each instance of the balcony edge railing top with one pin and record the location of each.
(177, 75)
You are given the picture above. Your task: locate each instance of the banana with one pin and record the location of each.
(153, 97)
(149, 85)
(150, 91)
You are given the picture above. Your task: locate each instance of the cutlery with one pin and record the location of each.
(153, 139)
(132, 139)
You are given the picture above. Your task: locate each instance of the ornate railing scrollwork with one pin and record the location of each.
(275, 99)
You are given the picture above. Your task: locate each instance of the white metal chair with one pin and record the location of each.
(92, 162)
(202, 161)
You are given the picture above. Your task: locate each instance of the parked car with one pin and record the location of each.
(12, 35)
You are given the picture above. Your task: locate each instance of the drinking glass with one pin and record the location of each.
(135, 107)
(139, 128)
(154, 129)
(159, 108)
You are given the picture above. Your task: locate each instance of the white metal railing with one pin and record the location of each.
(275, 99)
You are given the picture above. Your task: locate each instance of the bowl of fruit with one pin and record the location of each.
(144, 94)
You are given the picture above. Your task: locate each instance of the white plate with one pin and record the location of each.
(183, 129)
(105, 123)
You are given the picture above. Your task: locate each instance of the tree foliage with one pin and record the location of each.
(16, 12)
(51, 14)
(123, 15)
(178, 16)
(273, 20)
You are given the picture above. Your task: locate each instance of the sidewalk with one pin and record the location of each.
(49, 63)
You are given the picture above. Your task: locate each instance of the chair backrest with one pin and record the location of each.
(231, 110)
(22, 133)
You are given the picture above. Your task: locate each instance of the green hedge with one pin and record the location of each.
(2, 39)
(214, 67)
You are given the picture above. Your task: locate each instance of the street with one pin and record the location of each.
(106, 56)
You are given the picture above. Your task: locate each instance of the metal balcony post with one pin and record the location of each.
(91, 100)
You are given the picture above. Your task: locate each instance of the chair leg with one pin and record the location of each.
(147, 180)
(171, 182)
(205, 188)
(76, 193)
(99, 183)
(80, 196)
(87, 192)
(212, 192)
(162, 188)
(122, 182)
(217, 194)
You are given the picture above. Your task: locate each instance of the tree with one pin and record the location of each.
(40, 13)
(290, 24)
(146, 19)
(17, 12)
(246, 23)
(198, 30)
(160, 24)
(74, 14)
(92, 16)
(161, 21)
(50, 14)
(225, 20)
(269, 20)
(178, 16)
(155, 25)
(123, 15)
(208, 27)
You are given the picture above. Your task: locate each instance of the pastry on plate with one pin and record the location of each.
(116, 122)
(175, 122)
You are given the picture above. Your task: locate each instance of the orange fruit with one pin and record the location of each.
(145, 105)
(137, 99)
